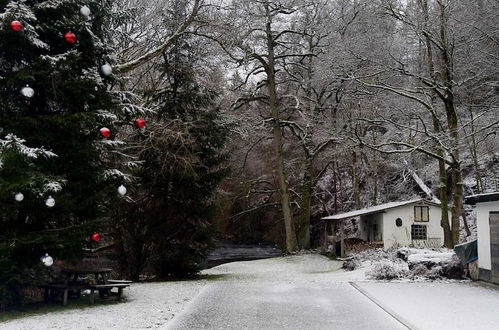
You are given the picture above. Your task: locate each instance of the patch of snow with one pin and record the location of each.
(430, 257)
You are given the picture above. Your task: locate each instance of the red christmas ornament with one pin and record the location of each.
(105, 132)
(95, 237)
(70, 38)
(16, 26)
(140, 122)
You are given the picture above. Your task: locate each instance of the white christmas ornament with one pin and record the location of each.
(122, 190)
(85, 11)
(28, 92)
(47, 260)
(50, 202)
(106, 69)
(19, 197)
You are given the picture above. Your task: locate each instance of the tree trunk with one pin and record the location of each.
(478, 176)
(278, 139)
(355, 180)
(305, 202)
(443, 180)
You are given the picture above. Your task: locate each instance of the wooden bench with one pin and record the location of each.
(105, 289)
(61, 287)
(119, 281)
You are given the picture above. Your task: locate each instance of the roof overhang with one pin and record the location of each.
(482, 198)
(377, 209)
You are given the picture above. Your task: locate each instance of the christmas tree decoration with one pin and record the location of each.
(85, 11)
(27, 92)
(58, 52)
(16, 26)
(122, 190)
(105, 132)
(70, 38)
(47, 260)
(106, 69)
(19, 197)
(140, 122)
(95, 237)
(50, 202)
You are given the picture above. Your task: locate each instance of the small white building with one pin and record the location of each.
(407, 223)
(487, 222)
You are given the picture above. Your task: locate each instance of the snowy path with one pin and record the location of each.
(300, 292)
(439, 305)
(274, 305)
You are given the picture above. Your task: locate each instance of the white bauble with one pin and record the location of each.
(122, 190)
(106, 69)
(28, 92)
(50, 202)
(47, 260)
(19, 197)
(85, 11)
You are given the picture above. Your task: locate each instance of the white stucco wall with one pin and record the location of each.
(393, 235)
(483, 232)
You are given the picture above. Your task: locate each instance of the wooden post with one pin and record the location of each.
(92, 296)
(65, 296)
(342, 244)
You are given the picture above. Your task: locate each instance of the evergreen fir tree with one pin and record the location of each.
(168, 226)
(49, 143)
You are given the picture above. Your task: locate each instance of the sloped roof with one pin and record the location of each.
(482, 198)
(376, 209)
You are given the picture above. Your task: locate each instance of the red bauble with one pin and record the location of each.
(140, 122)
(95, 237)
(105, 132)
(16, 26)
(70, 38)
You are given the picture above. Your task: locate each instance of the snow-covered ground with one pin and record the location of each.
(439, 305)
(425, 305)
(147, 305)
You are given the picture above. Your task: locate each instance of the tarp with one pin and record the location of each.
(467, 252)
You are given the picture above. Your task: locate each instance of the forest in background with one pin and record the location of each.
(264, 116)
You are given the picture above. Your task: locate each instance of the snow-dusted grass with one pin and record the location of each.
(147, 305)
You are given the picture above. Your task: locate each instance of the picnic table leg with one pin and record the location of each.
(120, 293)
(91, 296)
(65, 297)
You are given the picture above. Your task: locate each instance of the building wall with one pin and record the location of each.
(401, 236)
(483, 232)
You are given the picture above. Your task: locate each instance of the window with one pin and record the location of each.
(398, 222)
(418, 232)
(421, 213)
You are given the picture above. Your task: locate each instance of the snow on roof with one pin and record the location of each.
(375, 209)
(482, 198)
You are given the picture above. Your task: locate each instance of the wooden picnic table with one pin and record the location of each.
(73, 283)
(72, 274)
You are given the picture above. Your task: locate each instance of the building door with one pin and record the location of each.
(494, 245)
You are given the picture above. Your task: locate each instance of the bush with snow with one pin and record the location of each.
(407, 263)
(387, 271)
